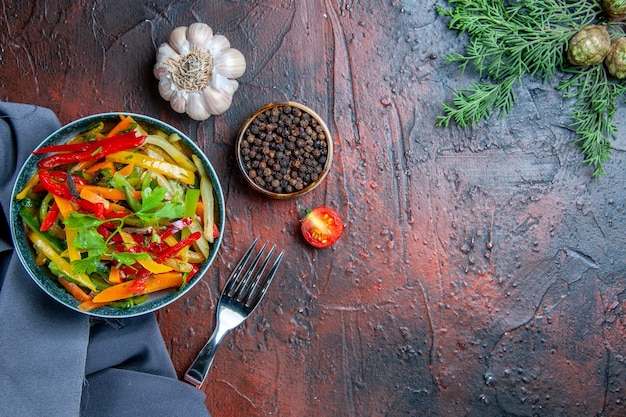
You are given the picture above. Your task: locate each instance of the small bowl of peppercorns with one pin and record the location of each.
(284, 150)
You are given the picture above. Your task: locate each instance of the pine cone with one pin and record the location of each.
(589, 46)
(615, 9)
(615, 61)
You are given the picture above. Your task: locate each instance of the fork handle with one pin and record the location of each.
(199, 369)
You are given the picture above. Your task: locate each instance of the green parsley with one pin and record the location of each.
(508, 40)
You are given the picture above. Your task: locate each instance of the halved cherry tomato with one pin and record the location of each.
(321, 227)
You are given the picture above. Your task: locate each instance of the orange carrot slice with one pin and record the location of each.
(90, 305)
(66, 207)
(101, 166)
(94, 197)
(157, 282)
(114, 275)
(126, 171)
(75, 290)
(106, 192)
(123, 124)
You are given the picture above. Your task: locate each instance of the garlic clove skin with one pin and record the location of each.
(178, 101)
(217, 101)
(221, 83)
(178, 40)
(165, 89)
(196, 107)
(218, 44)
(197, 71)
(165, 51)
(199, 34)
(232, 64)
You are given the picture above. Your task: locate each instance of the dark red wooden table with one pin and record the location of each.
(482, 272)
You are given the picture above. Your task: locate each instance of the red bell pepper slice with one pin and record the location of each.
(50, 218)
(56, 188)
(62, 176)
(106, 233)
(194, 270)
(123, 247)
(157, 247)
(140, 282)
(84, 146)
(121, 143)
(164, 255)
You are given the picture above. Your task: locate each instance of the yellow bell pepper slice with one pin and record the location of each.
(154, 267)
(72, 252)
(34, 180)
(162, 167)
(179, 157)
(206, 192)
(43, 247)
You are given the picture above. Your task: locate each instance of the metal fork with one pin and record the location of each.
(241, 295)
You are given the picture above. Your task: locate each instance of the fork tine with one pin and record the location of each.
(255, 273)
(243, 287)
(234, 276)
(253, 302)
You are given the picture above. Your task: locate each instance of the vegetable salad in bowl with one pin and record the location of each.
(117, 214)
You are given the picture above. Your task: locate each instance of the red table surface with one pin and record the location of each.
(481, 272)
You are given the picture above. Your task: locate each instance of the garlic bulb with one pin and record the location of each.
(197, 70)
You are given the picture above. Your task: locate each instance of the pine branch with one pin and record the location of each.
(593, 114)
(508, 40)
(471, 105)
